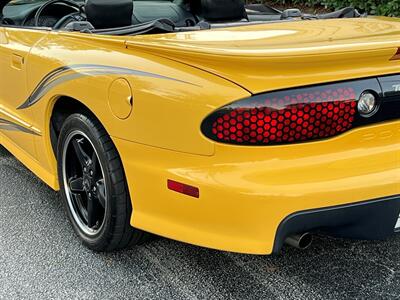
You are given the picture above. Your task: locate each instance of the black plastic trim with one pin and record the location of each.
(368, 220)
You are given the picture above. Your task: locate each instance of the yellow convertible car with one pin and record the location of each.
(227, 126)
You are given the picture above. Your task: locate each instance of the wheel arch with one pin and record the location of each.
(62, 107)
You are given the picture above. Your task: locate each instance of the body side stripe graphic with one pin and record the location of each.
(11, 126)
(68, 73)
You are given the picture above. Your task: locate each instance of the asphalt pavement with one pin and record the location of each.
(40, 258)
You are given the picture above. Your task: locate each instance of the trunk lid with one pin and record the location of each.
(280, 55)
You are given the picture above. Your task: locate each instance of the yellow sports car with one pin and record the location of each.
(228, 126)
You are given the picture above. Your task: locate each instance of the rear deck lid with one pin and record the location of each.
(286, 54)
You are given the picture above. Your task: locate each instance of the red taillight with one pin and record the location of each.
(183, 188)
(289, 119)
(285, 117)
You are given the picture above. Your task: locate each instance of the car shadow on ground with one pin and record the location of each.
(41, 257)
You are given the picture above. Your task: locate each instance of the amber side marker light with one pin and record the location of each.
(396, 56)
(183, 188)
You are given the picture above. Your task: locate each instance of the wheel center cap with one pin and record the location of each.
(86, 184)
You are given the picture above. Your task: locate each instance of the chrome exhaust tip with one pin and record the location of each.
(299, 241)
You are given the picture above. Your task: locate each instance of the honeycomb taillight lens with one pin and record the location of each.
(286, 117)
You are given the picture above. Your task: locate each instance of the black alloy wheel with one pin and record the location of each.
(93, 185)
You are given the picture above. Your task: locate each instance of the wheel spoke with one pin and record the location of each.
(93, 161)
(91, 212)
(76, 185)
(101, 192)
(80, 207)
(82, 156)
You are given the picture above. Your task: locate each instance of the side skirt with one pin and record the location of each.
(50, 179)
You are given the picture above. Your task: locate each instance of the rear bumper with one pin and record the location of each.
(246, 193)
(370, 220)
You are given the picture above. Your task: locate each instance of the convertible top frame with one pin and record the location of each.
(257, 14)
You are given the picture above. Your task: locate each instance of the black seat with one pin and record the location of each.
(147, 11)
(219, 10)
(3, 3)
(109, 14)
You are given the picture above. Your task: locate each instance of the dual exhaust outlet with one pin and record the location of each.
(300, 241)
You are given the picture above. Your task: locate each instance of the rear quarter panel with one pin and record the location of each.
(167, 112)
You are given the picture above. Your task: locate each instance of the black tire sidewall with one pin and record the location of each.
(86, 125)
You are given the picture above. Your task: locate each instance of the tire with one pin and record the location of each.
(94, 190)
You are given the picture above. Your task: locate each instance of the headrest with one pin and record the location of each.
(109, 14)
(219, 10)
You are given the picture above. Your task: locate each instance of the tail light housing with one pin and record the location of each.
(292, 116)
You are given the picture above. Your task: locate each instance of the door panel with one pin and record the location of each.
(15, 45)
